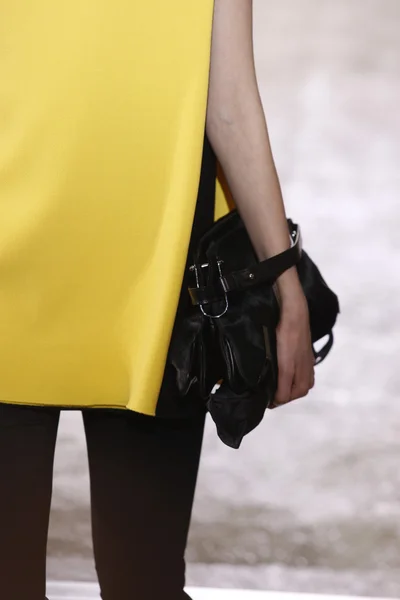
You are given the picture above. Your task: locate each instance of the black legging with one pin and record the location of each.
(143, 473)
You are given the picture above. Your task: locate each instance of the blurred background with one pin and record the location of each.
(312, 500)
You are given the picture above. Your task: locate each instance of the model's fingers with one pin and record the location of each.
(285, 384)
(303, 381)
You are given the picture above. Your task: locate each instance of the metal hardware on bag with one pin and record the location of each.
(194, 268)
(294, 235)
(203, 266)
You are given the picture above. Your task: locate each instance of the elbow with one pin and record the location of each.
(222, 122)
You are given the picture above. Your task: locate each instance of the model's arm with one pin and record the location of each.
(238, 132)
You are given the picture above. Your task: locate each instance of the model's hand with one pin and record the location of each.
(294, 348)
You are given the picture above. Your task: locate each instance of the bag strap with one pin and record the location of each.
(321, 354)
(266, 271)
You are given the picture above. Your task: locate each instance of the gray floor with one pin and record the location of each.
(311, 502)
(90, 591)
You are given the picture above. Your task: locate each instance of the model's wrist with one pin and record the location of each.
(288, 287)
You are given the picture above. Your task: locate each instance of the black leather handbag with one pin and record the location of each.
(225, 344)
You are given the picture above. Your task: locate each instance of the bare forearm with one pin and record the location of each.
(237, 130)
(242, 146)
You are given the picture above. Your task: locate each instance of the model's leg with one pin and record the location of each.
(143, 475)
(27, 443)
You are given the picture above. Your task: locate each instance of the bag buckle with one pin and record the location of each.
(196, 272)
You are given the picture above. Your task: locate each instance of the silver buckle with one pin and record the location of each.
(203, 266)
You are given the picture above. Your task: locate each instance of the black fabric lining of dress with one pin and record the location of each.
(170, 403)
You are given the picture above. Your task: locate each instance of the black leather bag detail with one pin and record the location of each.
(228, 335)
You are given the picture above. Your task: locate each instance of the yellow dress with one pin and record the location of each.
(102, 112)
